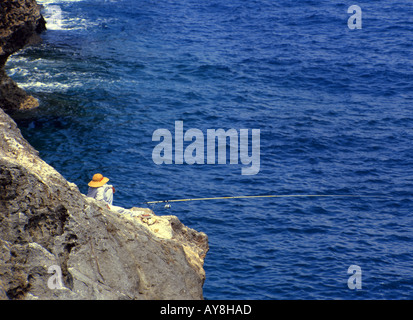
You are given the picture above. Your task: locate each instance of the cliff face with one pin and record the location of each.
(46, 224)
(20, 24)
(45, 221)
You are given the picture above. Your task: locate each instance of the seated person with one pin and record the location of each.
(100, 190)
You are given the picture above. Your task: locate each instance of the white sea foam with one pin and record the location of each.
(18, 71)
(58, 19)
(46, 2)
(37, 86)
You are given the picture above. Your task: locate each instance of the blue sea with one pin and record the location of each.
(334, 107)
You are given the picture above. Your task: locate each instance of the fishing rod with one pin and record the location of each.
(260, 196)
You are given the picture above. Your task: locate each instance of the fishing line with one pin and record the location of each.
(261, 196)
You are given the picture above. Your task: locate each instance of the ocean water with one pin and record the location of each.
(333, 106)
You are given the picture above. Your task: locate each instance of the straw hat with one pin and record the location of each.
(97, 181)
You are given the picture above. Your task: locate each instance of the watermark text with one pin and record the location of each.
(211, 149)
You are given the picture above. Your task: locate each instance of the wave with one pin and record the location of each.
(57, 18)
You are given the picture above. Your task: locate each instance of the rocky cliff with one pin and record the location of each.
(47, 225)
(20, 25)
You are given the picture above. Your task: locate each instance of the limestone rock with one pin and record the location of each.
(45, 221)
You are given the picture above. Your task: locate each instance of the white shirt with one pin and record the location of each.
(103, 193)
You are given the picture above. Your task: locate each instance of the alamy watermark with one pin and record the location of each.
(204, 150)
(55, 281)
(354, 281)
(354, 22)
